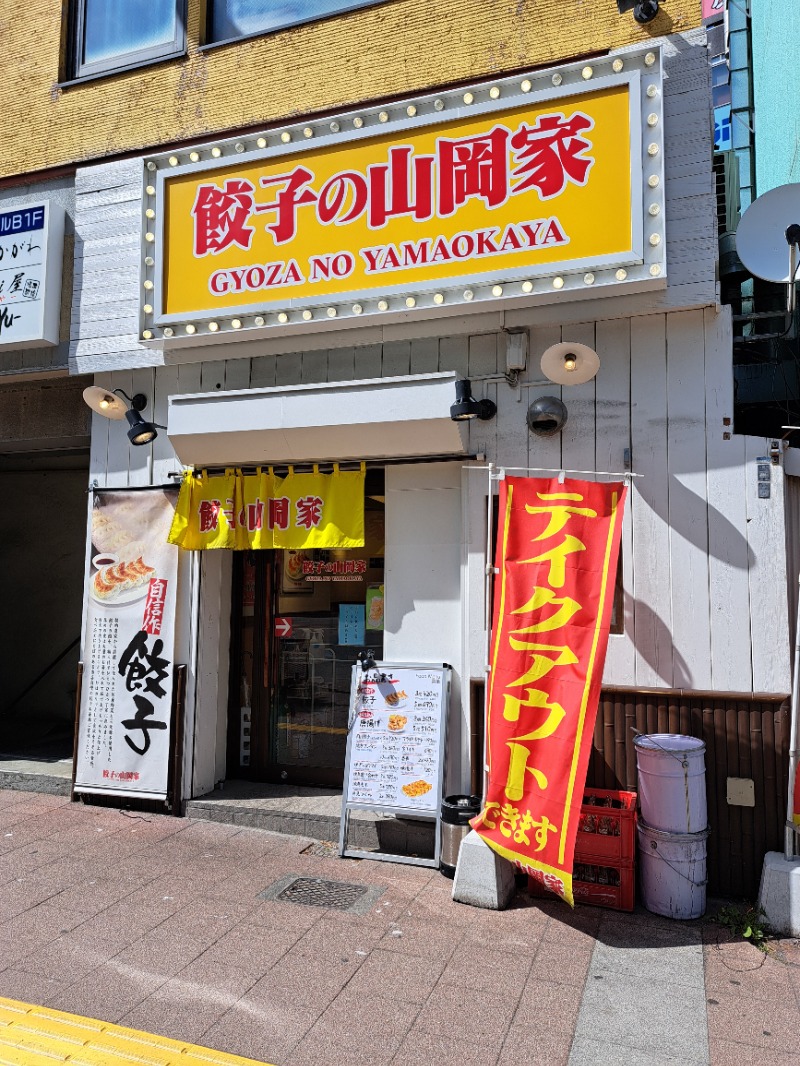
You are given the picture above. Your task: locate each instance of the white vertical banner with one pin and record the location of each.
(129, 642)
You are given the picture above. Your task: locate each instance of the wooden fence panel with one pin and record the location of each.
(745, 736)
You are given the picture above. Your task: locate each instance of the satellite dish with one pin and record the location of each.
(104, 402)
(570, 364)
(761, 236)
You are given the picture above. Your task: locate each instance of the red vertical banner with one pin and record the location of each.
(556, 563)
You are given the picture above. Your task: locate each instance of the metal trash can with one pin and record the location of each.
(456, 814)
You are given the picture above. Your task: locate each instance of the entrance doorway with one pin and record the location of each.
(300, 618)
(43, 545)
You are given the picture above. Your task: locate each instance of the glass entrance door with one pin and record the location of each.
(300, 620)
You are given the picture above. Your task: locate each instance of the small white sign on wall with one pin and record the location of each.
(31, 253)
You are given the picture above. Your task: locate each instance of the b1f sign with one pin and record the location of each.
(31, 252)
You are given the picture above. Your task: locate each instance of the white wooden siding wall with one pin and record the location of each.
(211, 672)
(424, 567)
(792, 496)
(703, 558)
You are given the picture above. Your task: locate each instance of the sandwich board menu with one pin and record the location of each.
(395, 747)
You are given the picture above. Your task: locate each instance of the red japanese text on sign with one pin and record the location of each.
(491, 167)
(308, 514)
(154, 606)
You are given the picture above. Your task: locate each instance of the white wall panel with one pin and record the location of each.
(423, 575)
(118, 454)
(612, 441)
(687, 514)
(211, 669)
(513, 436)
(482, 361)
(729, 554)
(579, 433)
(165, 461)
(475, 490)
(791, 492)
(652, 602)
(341, 362)
(425, 355)
(769, 630)
(100, 428)
(140, 457)
(237, 374)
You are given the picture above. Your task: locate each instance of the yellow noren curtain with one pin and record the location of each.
(262, 510)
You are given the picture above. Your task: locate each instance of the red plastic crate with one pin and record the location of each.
(618, 897)
(606, 834)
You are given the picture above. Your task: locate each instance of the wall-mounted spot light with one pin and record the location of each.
(106, 402)
(139, 431)
(467, 407)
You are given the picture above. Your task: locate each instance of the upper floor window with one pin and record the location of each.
(244, 18)
(110, 35)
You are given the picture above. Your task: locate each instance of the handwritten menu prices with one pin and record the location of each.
(395, 742)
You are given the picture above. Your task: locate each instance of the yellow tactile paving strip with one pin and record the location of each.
(37, 1036)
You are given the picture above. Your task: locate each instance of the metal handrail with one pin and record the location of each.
(40, 677)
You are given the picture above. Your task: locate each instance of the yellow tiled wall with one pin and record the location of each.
(390, 50)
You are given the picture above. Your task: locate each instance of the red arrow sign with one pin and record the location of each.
(283, 627)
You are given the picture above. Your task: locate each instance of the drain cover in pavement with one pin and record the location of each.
(319, 892)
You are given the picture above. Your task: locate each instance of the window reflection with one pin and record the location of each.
(241, 18)
(119, 27)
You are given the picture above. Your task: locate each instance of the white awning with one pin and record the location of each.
(380, 418)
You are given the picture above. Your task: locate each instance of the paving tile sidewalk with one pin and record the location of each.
(159, 924)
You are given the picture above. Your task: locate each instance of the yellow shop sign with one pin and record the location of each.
(547, 184)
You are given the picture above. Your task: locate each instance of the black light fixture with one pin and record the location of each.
(644, 11)
(105, 403)
(467, 407)
(139, 431)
